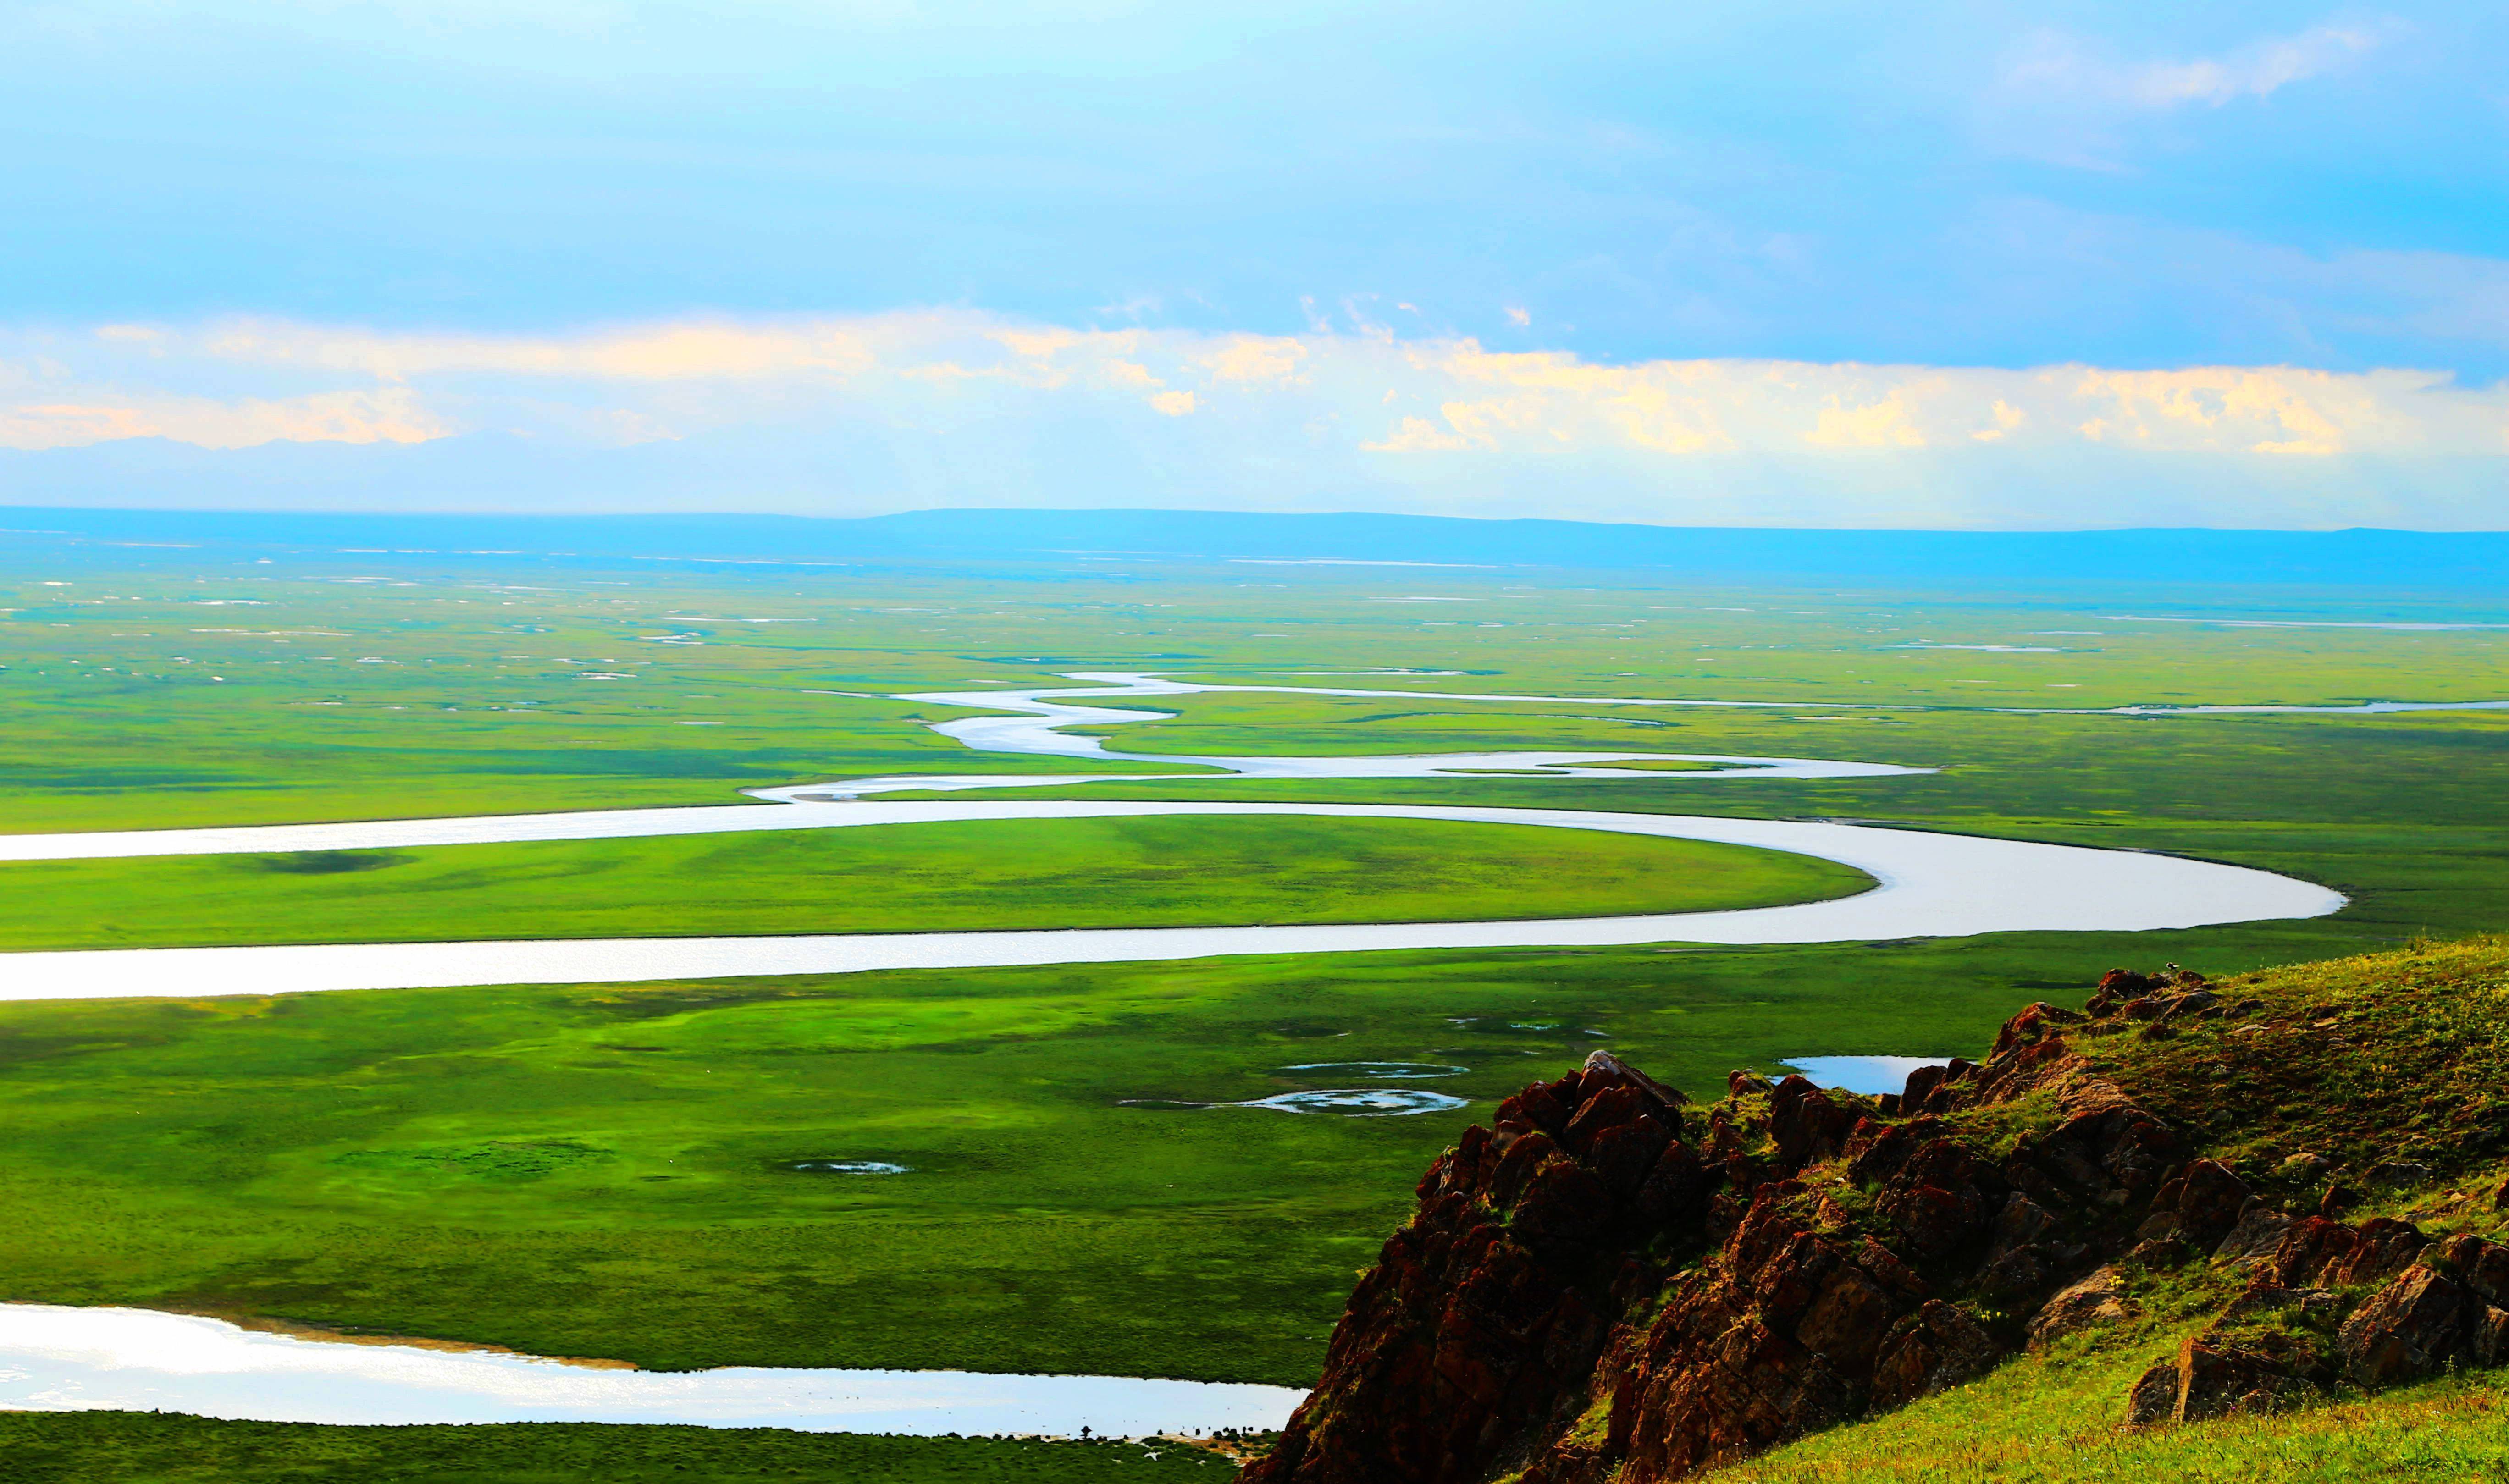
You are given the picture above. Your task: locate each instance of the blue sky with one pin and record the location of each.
(1404, 192)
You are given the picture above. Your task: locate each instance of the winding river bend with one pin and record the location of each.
(1928, 884)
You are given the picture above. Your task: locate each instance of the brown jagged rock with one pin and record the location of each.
(2210, 1200)
(2453, 1305)
(2436, 1304)
(2244, 1362)
(2154, 1397)
(1484, 1317)
(2482, 1266)
(2316, 1253)
(1806, 1124)
(2257, 1233)
(2033, 1026)
(2406, 1329)
(1936, 1347)
(2217, 1380)
(2099, 1299)
(2118, 986)
(1775, 1333)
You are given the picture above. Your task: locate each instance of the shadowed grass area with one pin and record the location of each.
(143, 1448)
(923, 877)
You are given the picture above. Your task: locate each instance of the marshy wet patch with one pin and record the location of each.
(1357, 1102)
(1350, 1102)
(845, 1166)
(1404, 1069)
(1520, 1024)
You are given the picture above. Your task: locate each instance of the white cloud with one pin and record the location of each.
(1258, 358)
(1875, 425)
(387, 415)
(2255, 71)
(685, 350)
(2071, 100)
(2007, 418)
(1419, 435)
(935, 407)
(2054, 65)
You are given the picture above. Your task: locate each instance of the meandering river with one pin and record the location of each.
(1928, 884)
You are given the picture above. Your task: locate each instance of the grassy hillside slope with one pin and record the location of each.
(2390, 1068)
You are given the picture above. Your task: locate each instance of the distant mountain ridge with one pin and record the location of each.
(2360, 557)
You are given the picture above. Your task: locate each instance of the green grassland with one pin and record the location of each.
(146, 1448)
(600, 1171)
(923, 877)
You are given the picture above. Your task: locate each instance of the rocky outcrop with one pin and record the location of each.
(1607, 1279)
(1472, 1339)
(2097, 1300)
(2376, 1305)
(1609, 1283)
(2449, 1306)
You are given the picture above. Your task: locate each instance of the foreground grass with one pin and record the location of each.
(2043, 1421)
(146, 1448)
(925, 878)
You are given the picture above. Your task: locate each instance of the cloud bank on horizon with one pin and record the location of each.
(1724, 264)
(908, 409)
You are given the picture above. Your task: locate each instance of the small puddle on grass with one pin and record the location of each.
(848, 1167)
(1382, 1069)
(1351, 1102)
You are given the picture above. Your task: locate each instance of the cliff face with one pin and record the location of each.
(1475, 1337)
(1610, 1283)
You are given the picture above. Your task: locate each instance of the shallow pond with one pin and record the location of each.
(1871, 1076)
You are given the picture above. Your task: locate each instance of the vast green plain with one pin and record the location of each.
(604, 1170)
(150, 1448)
